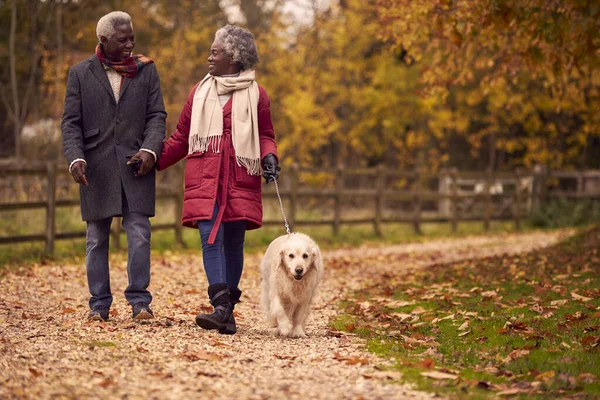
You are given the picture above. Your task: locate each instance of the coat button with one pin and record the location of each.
(118, 142)
(118, 121)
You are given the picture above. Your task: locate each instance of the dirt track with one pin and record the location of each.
(49, 350)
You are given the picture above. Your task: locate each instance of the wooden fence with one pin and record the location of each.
(448, 196)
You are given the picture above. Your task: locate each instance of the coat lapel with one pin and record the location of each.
(124, 85)
(100, 74)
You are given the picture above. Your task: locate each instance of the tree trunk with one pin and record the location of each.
(16, 111)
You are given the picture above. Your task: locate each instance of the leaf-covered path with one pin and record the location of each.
(49, 350)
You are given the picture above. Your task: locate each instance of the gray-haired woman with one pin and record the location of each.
(226, 134)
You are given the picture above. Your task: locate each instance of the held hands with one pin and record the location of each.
(270, 168)
(146, 163)
(78, 172)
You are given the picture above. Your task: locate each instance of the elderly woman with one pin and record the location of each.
(226, 134)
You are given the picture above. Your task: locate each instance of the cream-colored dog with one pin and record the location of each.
(291, 270)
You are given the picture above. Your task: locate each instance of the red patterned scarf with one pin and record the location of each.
(128, 67)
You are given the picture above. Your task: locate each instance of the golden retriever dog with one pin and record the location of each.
(291, 270)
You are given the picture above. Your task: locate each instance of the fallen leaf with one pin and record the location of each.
(208, 374)
(545, 376)
(510, 392)
(438, 375)
(584, 299)
(385, 375)
(410, 340)
(427, 363)
(489, 294)
(418, 310)
(559, 302)
(515, 354)
(201, 355)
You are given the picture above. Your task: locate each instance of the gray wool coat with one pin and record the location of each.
(103, 132)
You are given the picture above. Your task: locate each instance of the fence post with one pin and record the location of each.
(487, 214)
(379, 199)
(517, 200)
(454, 199)
(179, 189)
(418, 186)
(294, 179)
(540, 177)
(337, 208)
(51, 209)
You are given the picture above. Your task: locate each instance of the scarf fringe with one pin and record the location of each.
(199, 144)
(252, 165)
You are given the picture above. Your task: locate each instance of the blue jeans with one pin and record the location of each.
(137, 228)
(223, 260)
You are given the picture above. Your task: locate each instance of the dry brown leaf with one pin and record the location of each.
(427, 363)
(401, 316)
(559, 302)
(515, 354)
(201, 355)
(397, 303)
(489, 294)
(545, 376)
(350, 360)
(418, 310)
(438, 375)
(579, 297)
(385, 375)
(537, 308)
(510, 392)
(410, 340)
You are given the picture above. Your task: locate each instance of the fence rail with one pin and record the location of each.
(454, 193)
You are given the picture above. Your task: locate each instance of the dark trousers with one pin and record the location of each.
(224, 259)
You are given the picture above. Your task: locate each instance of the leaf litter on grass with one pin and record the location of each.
(515, 324)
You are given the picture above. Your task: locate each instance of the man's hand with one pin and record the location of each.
(78, 172)
(147, 162)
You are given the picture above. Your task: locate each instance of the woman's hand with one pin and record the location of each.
(270, 168)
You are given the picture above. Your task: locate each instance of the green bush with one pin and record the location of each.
(558, 213)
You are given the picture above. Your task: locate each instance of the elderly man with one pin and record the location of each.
(113, 127)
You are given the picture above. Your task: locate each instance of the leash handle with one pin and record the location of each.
(287, 226)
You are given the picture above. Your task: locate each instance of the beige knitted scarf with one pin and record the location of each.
(206, 128)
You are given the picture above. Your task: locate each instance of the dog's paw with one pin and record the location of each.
(285, 331)
(298, 332)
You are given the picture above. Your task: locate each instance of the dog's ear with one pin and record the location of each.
(282, 258)
(317, 262)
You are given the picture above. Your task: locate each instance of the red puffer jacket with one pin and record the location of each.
(215, 177)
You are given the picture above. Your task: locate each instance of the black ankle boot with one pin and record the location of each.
(234, 298)
(220, 318)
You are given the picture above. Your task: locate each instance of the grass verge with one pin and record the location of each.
(525, 326)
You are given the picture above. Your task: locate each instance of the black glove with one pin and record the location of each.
(270, 168)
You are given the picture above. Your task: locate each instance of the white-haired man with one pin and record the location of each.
(113, 127)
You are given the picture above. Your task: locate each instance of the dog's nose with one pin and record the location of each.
(299, 270)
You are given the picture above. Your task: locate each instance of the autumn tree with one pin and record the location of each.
(518, 76)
